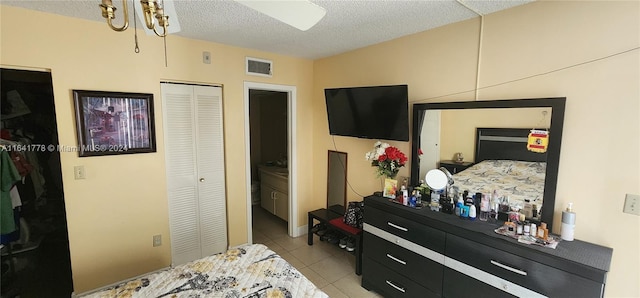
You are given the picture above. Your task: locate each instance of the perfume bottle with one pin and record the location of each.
(485, 210)
(543, 233)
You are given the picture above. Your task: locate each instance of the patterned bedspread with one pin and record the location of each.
(517, 179)
(248, 271)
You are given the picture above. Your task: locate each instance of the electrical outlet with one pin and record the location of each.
(206, 57)
(632, 204)
(78, 172)
(157, 240)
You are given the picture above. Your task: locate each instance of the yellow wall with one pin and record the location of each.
(600, 158)
(113, 213)
(458, 127)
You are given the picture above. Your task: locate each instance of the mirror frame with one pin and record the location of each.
(329, 173)
(557, 105)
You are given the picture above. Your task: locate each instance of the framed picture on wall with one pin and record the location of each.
(110, 123)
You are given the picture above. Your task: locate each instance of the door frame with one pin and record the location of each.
(292, 230)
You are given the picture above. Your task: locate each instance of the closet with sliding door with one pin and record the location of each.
(194, 152)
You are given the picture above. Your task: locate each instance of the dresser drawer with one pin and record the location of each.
(524, 272)
(389, 283)
(407, 229)
(409, 264)
(458, 285)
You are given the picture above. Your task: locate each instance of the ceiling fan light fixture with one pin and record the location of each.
(153, 15)
(109, 13)
(300, 14)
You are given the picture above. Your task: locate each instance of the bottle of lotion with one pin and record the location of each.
(568, 223)
(472, 212)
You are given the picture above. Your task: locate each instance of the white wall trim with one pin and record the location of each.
(293, 229)
(303, 230)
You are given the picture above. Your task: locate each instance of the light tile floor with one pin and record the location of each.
(329, 267)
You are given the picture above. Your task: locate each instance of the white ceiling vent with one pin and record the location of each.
(259, 67)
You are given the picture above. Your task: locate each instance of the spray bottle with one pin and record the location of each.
(568, 223)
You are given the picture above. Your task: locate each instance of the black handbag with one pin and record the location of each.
(354, 215)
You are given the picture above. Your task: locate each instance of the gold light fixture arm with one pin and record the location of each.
(153, 10)
(149, 10)
(163, 20)
(109, 11)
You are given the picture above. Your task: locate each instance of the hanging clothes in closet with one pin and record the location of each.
(26, 160)
(9, 176)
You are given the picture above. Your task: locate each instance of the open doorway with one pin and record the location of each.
(35, 255)
(271, 158)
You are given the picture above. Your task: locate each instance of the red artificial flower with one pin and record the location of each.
(389, 162)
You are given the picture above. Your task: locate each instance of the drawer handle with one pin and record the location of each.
(503, 266)
(397, 226)
(396, 259)
(395, 287)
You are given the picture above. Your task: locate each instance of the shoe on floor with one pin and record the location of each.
(322, 231)
(318, 227)
(333, 238)
(351, 244)
(343, 242)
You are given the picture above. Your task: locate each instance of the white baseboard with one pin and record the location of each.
(301, 230)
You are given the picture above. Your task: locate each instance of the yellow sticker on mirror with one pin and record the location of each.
(538, 141)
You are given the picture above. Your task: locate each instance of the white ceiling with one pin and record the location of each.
(348, 24)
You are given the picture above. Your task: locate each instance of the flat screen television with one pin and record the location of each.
(377, 112)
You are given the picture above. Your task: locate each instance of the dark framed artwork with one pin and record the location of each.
(110, 123)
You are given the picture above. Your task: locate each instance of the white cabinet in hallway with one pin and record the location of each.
(274, 185)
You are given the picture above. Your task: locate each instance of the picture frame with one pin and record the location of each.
(112, 123)
(390, 188)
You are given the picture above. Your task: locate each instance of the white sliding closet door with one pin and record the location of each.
(194, 152)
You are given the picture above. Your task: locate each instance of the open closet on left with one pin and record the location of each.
(35, 245)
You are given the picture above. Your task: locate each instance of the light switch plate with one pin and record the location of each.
(632, 204)
(78, 172)
(157, 240)
(206, 57)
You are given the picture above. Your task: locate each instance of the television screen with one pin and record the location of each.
(380, 112)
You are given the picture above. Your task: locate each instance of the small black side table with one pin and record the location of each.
(333, 220)
(321, 215)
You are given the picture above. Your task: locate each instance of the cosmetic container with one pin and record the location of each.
(568, 223)
(533, 231)
(472, 212)
(543, 233)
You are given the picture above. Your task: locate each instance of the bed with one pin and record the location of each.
(503, 163)
(247, 271)
(519, 180)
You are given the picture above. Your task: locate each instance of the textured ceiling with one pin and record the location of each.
(348, 24)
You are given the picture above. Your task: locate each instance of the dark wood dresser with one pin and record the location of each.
(421, 253)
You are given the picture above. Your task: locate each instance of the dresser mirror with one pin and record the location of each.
(446, 130)
(337, 181)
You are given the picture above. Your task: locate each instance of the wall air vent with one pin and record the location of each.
(259, 67)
